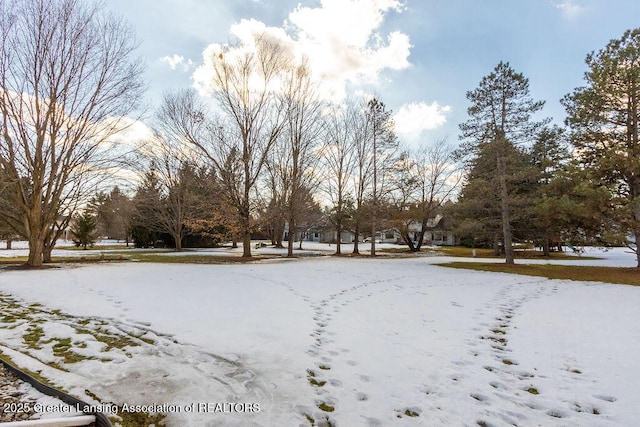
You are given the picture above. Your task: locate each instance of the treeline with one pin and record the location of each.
(529, 181)
(270, 153)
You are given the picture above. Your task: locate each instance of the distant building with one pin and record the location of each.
(438, 233)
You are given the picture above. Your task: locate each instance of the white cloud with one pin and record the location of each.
(176, 61)
(414, 118)
(569, 8)
(342, 40)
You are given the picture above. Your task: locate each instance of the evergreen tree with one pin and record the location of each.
(146, 205)
(604, 116)
(500, 119)
(114, 211)
(84, 229)
(549, 158)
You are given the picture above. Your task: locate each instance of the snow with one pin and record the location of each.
(386, 338)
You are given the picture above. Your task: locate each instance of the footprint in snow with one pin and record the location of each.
(610, 399)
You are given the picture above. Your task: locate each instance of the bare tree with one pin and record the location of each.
(425, 178)
(383, 144)
(337, 163)
(175, 172)
(275, 187)
(67, 77)
(301, 138)
(362, 177)
(238, 144)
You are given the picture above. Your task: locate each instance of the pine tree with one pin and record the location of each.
(549, 158)
(604, 116)
(500, 119)
(84, 229)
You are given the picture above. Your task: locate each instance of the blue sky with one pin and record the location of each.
(419, 56)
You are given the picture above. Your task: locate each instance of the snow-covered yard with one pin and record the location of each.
(358, 342)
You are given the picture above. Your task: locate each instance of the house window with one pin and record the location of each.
(389, 235)
(316, 235)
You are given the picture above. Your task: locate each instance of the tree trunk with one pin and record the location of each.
(636, 215)
(356, 236)
(46, 253)
(420, 240)
(292, 235)
(246, 237)
(36, 246)
(234, 241)
(373, 231)
(637, 236)
(246, 245)
(9, 244)
(409, 242)
(278, 231)
(506, 214)
(496, 244)
(338, 240)
(177, 238)
(546, 247)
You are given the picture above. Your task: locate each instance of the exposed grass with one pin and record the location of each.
(19, 263)
(95, 247)
(410, 413)
(465, 252)
(460, 251)
(140, 419)
(618, 275)
(33, 374)
(198, 259)
(33, 336)
(402, 250)
(119, 342)
(326, 407)
(154, 256)
(63, 348)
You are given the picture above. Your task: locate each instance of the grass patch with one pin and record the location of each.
(316, 383)
(618, 275)
(33, 336)
(96, 247)
(326, 407)
(410, 413)
(533, 390)
(198, 259)
(309, 418)
(62, 348)
(460, 251)
(112, 341)
(140, 419)
(33, 374)
(403, 250)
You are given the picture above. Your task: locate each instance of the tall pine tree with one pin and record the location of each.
(500, 120)
(604, 116)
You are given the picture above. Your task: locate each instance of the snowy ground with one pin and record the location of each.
(358, 342)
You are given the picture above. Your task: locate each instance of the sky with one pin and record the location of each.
(420, 57)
